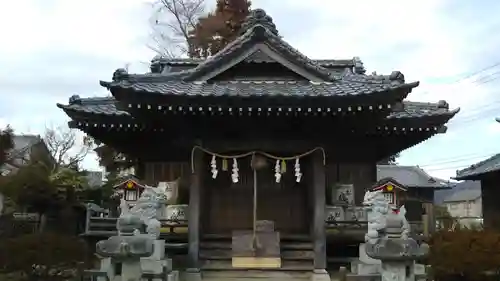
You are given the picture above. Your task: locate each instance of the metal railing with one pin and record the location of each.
(107, 226)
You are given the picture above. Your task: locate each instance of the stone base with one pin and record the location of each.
(364, 258)
(155, 266)
(364, 268)
(320, 275)
(365, 265)
(173, 276)
(193, 274)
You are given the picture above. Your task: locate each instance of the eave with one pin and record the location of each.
(480, 170)
(412, 116)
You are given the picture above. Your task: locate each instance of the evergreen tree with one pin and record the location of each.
(218, 28)
(6, 144)
(391, 160)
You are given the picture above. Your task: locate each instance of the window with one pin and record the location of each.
(131, 195)
(389, 196)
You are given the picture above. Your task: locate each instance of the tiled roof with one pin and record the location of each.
(107, 106)
(441, 195)
(488, 165)
(464, 195)
(95, 105)
(411, 176)
(422, 109)
(350, 86)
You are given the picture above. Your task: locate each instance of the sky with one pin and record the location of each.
(52, 49)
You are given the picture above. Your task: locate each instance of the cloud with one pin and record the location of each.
(59, 48)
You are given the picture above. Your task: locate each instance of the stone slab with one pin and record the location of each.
(255, 262)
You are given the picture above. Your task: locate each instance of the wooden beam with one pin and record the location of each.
(194, 213)
(319, 193)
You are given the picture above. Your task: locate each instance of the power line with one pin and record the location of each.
(457, 159)
(457, 167)
(465, 155)
(470, 75)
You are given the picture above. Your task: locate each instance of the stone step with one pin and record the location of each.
(249, 275)
(283, 237)
(286, 265)
(283, 245)
(226, 254)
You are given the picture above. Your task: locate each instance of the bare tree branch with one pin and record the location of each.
(64, 148)
(172, 22)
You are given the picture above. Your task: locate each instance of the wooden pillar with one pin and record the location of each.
(319, 193)
(194, 212)
(431, 217)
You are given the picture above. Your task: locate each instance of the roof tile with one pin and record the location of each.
(259, 88)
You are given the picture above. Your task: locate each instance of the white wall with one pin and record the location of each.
(466, 211)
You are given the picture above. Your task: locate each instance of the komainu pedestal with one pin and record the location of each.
(261, 252)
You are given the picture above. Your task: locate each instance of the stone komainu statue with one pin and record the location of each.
(380, 208)
(143, 216)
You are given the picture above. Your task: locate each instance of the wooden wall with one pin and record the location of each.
(154, 172)
(490, 189)
(362, 175)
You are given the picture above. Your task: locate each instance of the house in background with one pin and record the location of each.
(466, 206)
(421, 188)
(487, 172)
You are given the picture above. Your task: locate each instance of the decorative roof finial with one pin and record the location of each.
(120, 74)
(259, 17)
(75, 99)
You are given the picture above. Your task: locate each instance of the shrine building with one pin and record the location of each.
(259, 133)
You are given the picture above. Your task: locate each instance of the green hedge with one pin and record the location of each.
(465, 254)
(42, 257)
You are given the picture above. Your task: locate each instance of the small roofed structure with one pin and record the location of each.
(393, 191)
(129, 188)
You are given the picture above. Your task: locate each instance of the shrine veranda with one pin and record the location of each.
(261, 132)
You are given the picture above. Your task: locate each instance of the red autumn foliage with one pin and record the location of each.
(218, 28)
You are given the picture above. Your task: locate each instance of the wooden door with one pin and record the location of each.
(229, 206)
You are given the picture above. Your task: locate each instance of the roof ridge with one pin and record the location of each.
(394, 77)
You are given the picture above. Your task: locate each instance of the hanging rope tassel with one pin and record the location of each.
(298, 173)
(235, 174)
(213, 165)
(277, 171)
